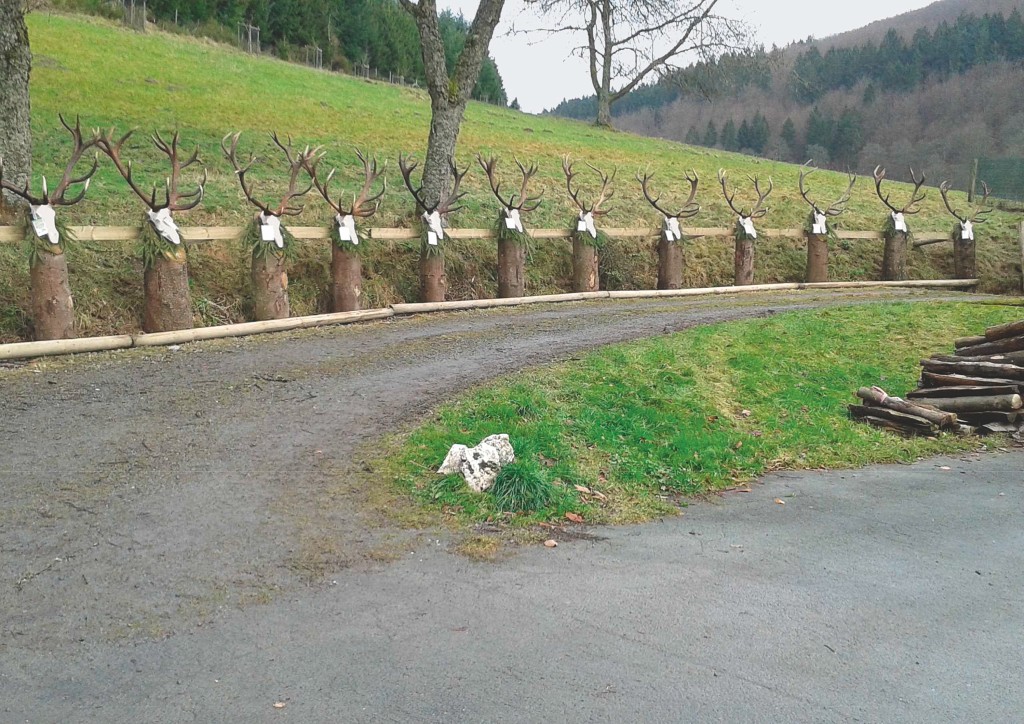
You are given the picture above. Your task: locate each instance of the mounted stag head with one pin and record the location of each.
(512, 211)
(967, 221)
(745, 219)
(588, 212)
(363, 205)
(911, 207)
(43, 217)
(820, 222)
(159, 212)
(670, 225)
(270, 216)
(434, 214)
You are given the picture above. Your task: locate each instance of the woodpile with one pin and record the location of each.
(977, 389)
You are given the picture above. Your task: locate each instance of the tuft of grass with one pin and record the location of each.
(630, 431)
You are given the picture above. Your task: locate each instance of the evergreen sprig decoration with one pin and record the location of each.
(35, 245)
(253, 243)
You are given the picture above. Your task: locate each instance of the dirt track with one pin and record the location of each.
(146, 490)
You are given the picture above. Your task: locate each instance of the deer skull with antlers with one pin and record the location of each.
(670, 223)
(512, 211)
(967, 221)
(745, 220)
(588, 212)
(363, 205)
(819, 222)
(159, 212)
(434, 214)
(42, 214)
(899, 215)
(270, 216)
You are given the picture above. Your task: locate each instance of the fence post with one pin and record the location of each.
(1022, 257)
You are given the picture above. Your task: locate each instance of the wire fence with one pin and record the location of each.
(1004, 177)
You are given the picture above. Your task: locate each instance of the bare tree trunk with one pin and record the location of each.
(511, 269)
(965, 264)
(584, 267)
(53, 310)
(743, 264)
(15, 135)
(604, 109)
(168, 303)
(894, 259)
(817, 258)
(269, 287)
(670, 265)
(433, 282)
(346, 279)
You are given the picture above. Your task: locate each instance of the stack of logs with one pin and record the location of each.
(979, 389)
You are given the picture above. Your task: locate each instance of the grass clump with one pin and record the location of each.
(523, 487)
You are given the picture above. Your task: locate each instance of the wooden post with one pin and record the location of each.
(1021, 236)
(269, 286)
(743, 265)
(433, 282)
(584, 266)
(168, 302)
(670, 264)
(346, 279)
(511, 269)
(817, 258)
(894, 259)
(965, 264)
(53, 310)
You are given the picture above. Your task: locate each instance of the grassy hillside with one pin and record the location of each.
(112, 76)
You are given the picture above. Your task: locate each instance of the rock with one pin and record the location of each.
(479, 465)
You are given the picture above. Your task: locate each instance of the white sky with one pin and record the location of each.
(542, 74)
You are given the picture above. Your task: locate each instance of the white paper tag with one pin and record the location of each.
(270, 230)
(432, 238)
(820, 225)
(747, 224)
(967, 231)
(586, 223)
(671, 229)
(434, 226)
(164, 225)
(512, 220)
(347, 228)
(44, 223)
(898, 222)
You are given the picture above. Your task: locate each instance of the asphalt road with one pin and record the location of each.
(889, 594)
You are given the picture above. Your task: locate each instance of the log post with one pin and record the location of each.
(744, 262)
(584, 266)
(894, 259)
(346, 279)
(670, 264)
(511, 268)
(168, 302)
(1021, 239)
(965, 264)
(433, 282)
(53, 310)
(817, 258)
(269, 285)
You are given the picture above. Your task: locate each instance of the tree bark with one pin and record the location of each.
(976, 403)
(943, 379)
(15, 134)
(970, 341)
(346, 279)
(965, 264)
(878, 398)
(53, 310)
(890, 419)
(744, 262)
(817, 258)
(269, 287)
(962, 391)
(584, 267)
(894, 259)
(168, 302)
(1002, 331)
(975, 369)
(670, 264)
(604, 109)
(1007, 344)
(511, 269)
(433, 281)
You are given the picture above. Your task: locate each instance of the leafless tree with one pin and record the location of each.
(626, 41)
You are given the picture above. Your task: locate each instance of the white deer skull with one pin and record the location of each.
(586, 223)
(747, 224)
(44, 223)
(967, 231)
(670, 227)
(164, 225)
(347, 228)
(270, 230)
(512, 220)
(899, 222)
(435, 229)
(820, 225)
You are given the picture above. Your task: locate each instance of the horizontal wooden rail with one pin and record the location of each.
(201, 234)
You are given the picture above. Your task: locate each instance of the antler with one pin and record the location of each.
(57, 198)
(363, 206)
(836, 208)
(175, 200)
(915, 199)
(526, 203)
(454, 196)
(112, 148)
(444, 205)
(689, 208)
(604, 195)
(979, 211)
(417, 193)
(758, 210)
(297, 162)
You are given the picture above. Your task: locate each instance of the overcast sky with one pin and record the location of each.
(542, 74)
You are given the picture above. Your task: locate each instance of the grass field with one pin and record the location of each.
(111, 76)
(641, 424)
